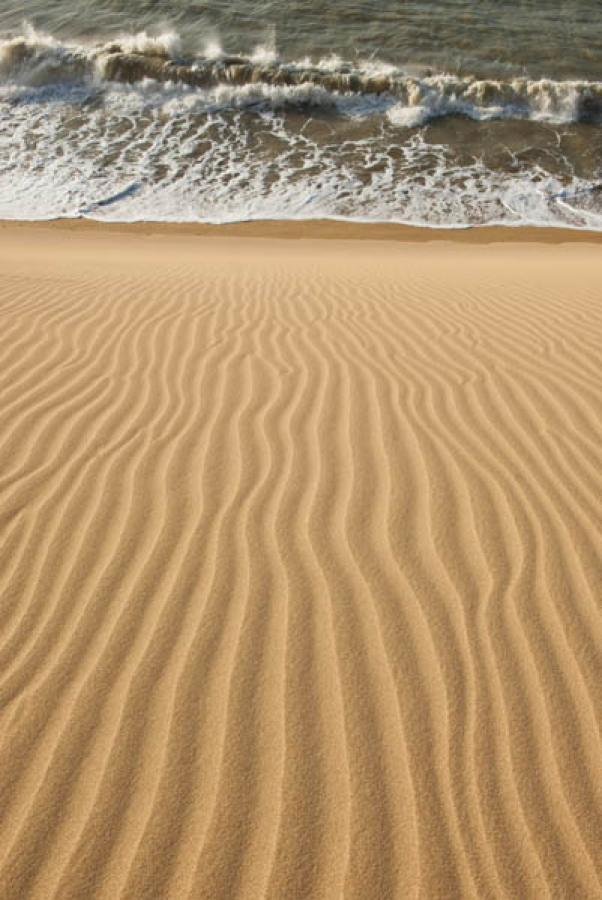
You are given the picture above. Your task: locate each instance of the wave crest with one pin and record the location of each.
(412, 100)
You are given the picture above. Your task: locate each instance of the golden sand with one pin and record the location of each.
(300, 568)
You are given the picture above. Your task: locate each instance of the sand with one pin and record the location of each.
(300, 567)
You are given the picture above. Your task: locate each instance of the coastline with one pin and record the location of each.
(317, 229)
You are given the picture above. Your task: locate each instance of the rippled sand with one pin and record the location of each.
(300, 568)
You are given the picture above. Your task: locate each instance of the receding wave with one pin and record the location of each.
(36, 60)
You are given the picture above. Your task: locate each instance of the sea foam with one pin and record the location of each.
(129, 129)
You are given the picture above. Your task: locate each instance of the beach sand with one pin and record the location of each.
(300, 565)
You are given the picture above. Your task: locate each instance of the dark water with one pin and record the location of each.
(436, 113)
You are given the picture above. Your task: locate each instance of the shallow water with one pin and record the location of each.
(430, 113)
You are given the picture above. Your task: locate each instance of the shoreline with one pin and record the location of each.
(319, 229)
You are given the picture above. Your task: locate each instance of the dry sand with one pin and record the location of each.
(300, 568)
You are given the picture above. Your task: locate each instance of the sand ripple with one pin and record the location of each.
(300, 570)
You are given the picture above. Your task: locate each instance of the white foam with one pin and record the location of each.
(172, 152)
(212, 48)
(266, 52)
(167, 43)
(520, 98)
(412, 100)
(408, 116)
(156, 172)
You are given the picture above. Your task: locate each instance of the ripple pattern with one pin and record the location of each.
(300, 570)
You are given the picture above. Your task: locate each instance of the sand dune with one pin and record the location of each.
(300, 569)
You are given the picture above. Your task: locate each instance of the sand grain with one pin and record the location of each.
(300, 568)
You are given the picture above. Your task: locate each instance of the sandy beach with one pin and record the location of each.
(300, 563)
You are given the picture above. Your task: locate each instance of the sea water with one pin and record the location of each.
(447, 113)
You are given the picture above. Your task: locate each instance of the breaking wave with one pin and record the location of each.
(408, 99)
(133, 130)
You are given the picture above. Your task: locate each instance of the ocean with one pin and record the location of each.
(448, 113)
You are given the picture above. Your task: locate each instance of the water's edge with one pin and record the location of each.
(314, 229)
